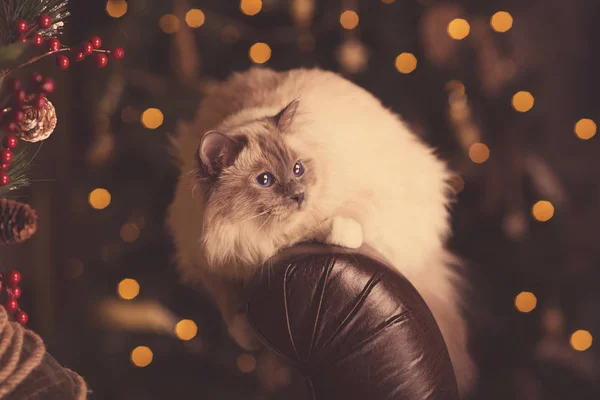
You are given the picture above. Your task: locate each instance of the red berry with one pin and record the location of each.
(3, 167)
(87, 48)
(44, 21)
(14, 292)
(117, 53)
(22, 26)
(40, 101)
(4, 179)
(38, 39)
(48, 85)
(13, 277)
(79, 56)
(21, 317)
(19, 97)
(11, 126)
(101, 60)
(11, 305)
(53, 44)
(6, 156)
(18, 116)
(10, 141)
(96, 42)
(62, 62)
(37, 77)
(14, 85)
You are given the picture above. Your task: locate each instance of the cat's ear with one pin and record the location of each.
(284, 118)
(217, 151)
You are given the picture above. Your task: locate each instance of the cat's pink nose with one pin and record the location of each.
(298, 198)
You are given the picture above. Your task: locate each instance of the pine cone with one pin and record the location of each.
(18, 221)
(38, 124)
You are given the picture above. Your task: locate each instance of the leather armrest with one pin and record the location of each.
(354, 327)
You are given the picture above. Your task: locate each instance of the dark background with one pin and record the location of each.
(72, 267)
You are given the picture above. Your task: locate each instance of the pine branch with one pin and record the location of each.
(18, 172)
(13, 10)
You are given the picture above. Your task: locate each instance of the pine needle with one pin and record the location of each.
(18, 173)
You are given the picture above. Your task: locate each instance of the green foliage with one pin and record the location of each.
(18, 172)
(13, 10)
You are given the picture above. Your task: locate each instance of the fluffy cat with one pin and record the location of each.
(276, 158)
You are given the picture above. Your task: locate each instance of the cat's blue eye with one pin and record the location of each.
(298, 169)
(265, 179)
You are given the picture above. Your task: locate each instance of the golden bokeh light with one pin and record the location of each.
(251, 7)
(186, 329)
(195, 18)
(246, 363)
(406, 63)
(99, 198)
(128, 289)
(479, 153)
(455, 86)
(459, 29)
(141, 356)
(542, 211)
(152, 118)
(585, 129)
(169, 23)
(525, 302)
(116, 8)
(522, 101)
(349, 19)
(581, 340)
(501, 21)
(457, 183)
(130, 232)
(260, 53)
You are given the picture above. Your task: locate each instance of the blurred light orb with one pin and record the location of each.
(116, 8)
(260, 53)
(349, 19)
(141, 356)
(169, 23)
(195, 18)
(456, 86)
(251, 7)
(525, 302)
(99, 198)
(585, 129)
(522, 101)
(542, 211)
(128, 289)
(130, 232)
(152, 118)
(457, 183)
(459, 28)
(186, 329)
(479, 153)
(246, 363)
(406, 63)
(501, 21)
(581, 340)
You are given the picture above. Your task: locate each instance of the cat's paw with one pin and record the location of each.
(240, 330)
(345, 232)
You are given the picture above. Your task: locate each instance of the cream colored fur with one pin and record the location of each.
(378, 184)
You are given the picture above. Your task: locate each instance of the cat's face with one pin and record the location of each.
(253, 174)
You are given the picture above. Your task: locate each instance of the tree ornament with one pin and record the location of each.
(53, 44)
(39, 123)
(117, 53)
(10, 141)
(22, 26)
(62, 62)
(18, 221)
(96, 42)
(44, 21)
(21, 317)
(101, 60)
(13, 277)
(4, 178)
(11, 305)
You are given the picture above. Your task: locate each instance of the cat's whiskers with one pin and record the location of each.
(254, 216)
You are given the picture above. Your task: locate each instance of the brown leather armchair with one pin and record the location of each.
(352, 326)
